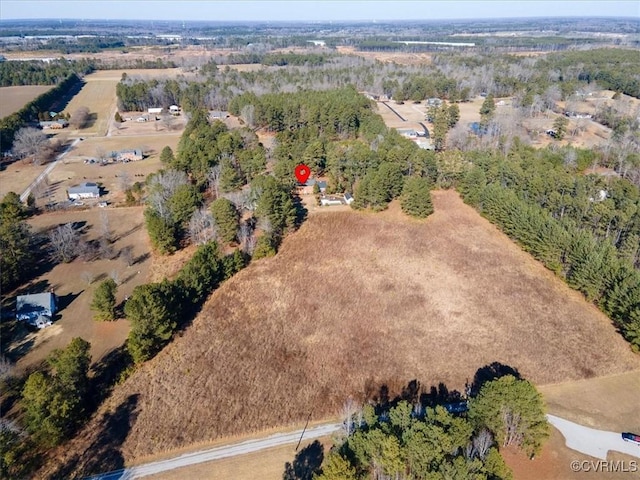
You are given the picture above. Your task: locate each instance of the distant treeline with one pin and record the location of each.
(614, 69)
(11, 124)
(16, 73)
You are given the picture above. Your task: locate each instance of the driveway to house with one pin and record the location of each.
(48, 170)
(217, 453)
(595, 443)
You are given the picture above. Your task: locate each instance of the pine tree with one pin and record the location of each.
(226, 218)
(104, 300)
(416, 198)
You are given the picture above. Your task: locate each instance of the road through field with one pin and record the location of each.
(596, 443)
(217, 453)
(47, 170)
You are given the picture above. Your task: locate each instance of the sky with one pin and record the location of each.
(318, 10)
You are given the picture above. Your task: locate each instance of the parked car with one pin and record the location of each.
(631, 437)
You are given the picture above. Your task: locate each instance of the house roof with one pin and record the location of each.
(34, 302)
(85, 187)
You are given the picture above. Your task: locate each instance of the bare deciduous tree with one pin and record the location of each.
(6, 367)
(124, 181)
(239, 198)
(168, 122)
(31, 142)
(65, 243)
(213, 178)
(248, 113)
(162, 186)
(80, 118)
(126, 254)
(115, 276)
(105, 227)
(87, 277)
(482, 442)
(202, 227)
(349, 409)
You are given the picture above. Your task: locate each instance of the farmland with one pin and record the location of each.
(354, 301)
(99, 96)
(14, 98)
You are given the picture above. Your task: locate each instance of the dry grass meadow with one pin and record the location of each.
(354, 301)
(99, 95)
(14, 98)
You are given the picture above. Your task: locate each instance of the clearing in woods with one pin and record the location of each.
(354, 301)
(14, 98)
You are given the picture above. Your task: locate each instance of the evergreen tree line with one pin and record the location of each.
(406, 440)
(16, 243)
(15, 73)
(158, 310)
(589, 240)
(11, 124)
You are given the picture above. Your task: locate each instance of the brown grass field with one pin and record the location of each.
(14, 98)
(354, 301)
(99, 95)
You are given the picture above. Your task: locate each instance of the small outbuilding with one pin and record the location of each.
(154, 110)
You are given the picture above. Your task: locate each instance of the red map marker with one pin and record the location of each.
(302, 173)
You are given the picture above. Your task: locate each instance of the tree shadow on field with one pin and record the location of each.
(301, 211)
(104, 454)
(413, 392)
(306, 463)
(106, 373)
(491, 372)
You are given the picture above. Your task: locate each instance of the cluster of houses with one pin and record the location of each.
(155, 111)
(310, 185)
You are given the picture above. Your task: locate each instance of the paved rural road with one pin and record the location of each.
(589, 441)
(241, 448)
(48, 170)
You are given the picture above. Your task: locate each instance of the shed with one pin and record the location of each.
(348, 198)
(154, 110)
(36, 309)
(174, 109)
(84, 190)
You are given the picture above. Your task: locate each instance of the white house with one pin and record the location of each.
(174, 109)
(154, 110)
(348, 198)
(84, 190)
(328, 201)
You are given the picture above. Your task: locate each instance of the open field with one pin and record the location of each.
(99, 95)
(14, 98)
(74, 292)
(17, 176)
(402, 58)
(606, 403)
(593, 134)
(384, 301)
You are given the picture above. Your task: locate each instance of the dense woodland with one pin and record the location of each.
(585, 228)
